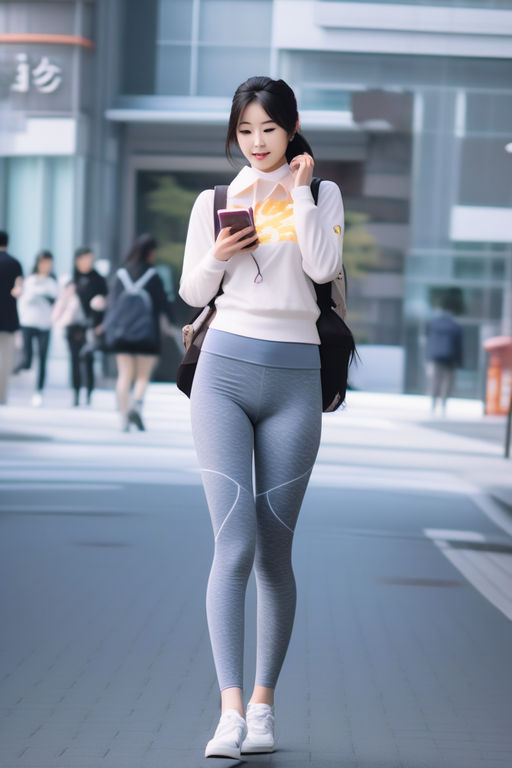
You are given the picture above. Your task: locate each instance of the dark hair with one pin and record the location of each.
(41, 256)
(279, 102)
(140, 250)
(4, 239)
(82, 251)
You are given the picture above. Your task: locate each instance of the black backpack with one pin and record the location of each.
(337, 345)
(130, 320)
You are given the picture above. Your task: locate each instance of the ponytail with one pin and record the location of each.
(297, 146)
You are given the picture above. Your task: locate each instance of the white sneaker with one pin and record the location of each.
(260, 728)
(228, 738)
(37, 400)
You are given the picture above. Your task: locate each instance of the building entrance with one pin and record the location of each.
(163, 201)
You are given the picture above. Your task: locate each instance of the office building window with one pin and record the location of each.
(243, 22)
(218, 77)
(175, 21)
(207, 47)
(173, 70)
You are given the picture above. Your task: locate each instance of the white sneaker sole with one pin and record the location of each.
(251, 749)
(213, 750)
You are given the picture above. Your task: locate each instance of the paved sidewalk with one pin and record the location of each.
(400, 653)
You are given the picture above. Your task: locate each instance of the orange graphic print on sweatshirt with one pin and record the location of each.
(274, 221)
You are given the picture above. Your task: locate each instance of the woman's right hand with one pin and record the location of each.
(229, 243)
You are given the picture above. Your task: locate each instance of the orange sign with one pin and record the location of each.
(28, 37)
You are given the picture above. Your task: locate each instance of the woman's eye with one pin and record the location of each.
(268, 130)
(241, 131)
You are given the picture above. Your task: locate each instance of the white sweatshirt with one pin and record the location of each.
(34, 304)
(299, 243)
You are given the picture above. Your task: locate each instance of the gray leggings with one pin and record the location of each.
(239, 409)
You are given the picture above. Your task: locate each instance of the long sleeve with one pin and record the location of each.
(100, 285)
(202, 272)
(35, 303)
(46, 287)
(320, 230)
(160, 301)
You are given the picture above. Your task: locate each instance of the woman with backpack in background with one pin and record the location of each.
(137, 303)
(35, 305)
(79, 311)
(257, 387)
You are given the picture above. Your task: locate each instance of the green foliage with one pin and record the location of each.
(169, 206)
(170, 200)
(360, 249)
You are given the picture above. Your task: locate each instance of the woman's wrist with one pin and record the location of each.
(302, 192)
(216, 260)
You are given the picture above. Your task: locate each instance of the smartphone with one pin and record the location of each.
(236, 218)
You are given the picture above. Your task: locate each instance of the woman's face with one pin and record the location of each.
(262, 141)
(84, 262)
(44, 267)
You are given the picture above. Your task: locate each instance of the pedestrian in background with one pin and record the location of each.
(137, 308)
(257, 390)
(40, 290)
(444, 354)
(11, 281)
(80, 309)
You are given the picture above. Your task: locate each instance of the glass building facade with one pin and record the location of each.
(408, 108)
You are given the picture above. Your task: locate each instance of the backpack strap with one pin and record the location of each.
(315, 188)
(145, 278)
(128, 283)
(125, 279)
(220, 200)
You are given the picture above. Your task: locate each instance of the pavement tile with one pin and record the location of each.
(378, 674)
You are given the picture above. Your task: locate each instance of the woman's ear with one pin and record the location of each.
(297, 129)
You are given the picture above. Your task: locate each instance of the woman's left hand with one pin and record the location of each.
(302, 169)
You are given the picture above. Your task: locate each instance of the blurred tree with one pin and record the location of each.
(360, 248)
(169, 205)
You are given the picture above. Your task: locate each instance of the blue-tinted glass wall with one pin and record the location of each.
(194, 47)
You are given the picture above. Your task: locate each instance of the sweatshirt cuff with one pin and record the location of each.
(302, 193)
(216, 265)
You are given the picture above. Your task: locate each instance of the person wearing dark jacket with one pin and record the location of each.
(444, 355)
(91, 289)
(11, 279)
(136, 360)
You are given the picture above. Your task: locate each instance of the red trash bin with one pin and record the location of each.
(499, 375)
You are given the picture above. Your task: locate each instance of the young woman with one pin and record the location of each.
(257, 389)
(40, 291)
(91, 288)
(135, 361)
